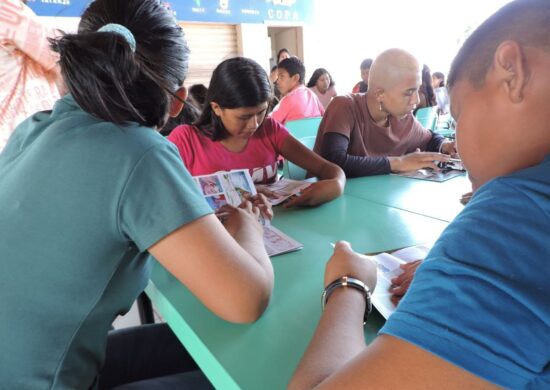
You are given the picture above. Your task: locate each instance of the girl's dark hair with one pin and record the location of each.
(283, 50)
(236, 82)
(426, 86)
(198, 93)
(110, 81)
(315, 76)
(440, 76)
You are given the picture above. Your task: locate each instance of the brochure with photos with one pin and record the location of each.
(283, 189)
(446, 172)
(232, 188)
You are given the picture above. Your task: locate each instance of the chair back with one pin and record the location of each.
(293, 171)
(427, 116)
(306, 127)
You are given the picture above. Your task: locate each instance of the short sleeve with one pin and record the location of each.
(159, 197)
(339, 117)
(480, 299)
(277, 133)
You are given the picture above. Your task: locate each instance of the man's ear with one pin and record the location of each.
(177, 104)
(511, 69)
(378, 93)
(296, 79)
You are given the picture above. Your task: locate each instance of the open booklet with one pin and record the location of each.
(448, 171)
(232, 188)
(283, 189)
(388, 268)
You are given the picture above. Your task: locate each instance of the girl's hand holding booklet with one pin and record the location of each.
(233, 188)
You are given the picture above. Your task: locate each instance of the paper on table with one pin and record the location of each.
(388, 268)
(277, 243)
(431, 175)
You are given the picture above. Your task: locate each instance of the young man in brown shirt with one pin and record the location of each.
(376, 133)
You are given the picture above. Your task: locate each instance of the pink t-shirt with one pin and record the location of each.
(202, 156)
(298, 104)
(326, 97)
(27, 82)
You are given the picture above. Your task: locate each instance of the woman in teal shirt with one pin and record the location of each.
(90, 190)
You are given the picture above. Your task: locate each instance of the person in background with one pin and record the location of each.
(197, 95)
(363, 85)
(298, 101)
(438, 80)
(29, 75)
(375, 133)
(273, 75)
(188, 114)
(191, 109)
(283, 54)
(475, 317)
(426, 95)
(233, 132)
(92, 194)
(322, 84)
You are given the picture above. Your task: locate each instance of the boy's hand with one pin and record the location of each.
(417, 160)
(346, 262)
(449, 147)
(401, 283)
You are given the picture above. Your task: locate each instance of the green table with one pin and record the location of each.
(440, 200)
(264, 355)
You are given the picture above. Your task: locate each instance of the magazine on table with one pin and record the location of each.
(388, 265)
(446, 171)
(282, 190)
(232, 188)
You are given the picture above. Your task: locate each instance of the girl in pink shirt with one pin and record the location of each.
(234, 133)
(322, 84)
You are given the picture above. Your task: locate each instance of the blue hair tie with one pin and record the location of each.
(122, 31)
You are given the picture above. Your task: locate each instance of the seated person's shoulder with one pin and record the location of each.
(342, 102)
(482, 274)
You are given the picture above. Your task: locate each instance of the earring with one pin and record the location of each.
(380, 107)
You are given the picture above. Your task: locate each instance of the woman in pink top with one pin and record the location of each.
(322, 84)
(234, 133)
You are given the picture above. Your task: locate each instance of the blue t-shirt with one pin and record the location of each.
(81, 202)
(481, 299)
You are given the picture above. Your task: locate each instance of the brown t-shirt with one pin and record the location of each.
(348, 115)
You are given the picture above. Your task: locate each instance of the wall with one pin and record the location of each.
(344, 33)
(254, 43)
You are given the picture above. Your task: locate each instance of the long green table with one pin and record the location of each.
(264, 355)
(440, 200)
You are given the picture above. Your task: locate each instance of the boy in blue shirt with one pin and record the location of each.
(477, 314)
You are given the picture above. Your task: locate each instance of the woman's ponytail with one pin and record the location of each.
(129, 71)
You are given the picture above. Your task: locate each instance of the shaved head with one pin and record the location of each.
(390, 66)
(525, 21)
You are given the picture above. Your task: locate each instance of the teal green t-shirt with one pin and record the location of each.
(81, 200)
